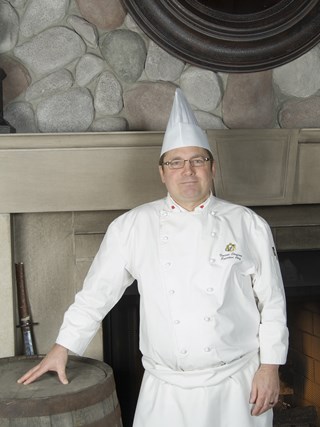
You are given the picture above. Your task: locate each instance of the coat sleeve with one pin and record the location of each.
(104, 285)
(269, 292)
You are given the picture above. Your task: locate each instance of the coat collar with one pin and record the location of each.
(171, 206)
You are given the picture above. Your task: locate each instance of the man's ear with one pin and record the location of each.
(161, 174)
(213, 169)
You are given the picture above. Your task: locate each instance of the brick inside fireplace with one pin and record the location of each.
(304, 353)
(301, 374)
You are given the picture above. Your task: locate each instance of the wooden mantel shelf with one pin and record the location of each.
(103, 171)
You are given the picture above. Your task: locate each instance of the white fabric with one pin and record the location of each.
(198, 377)
(223, 405)
(182, 128)
(209, 282)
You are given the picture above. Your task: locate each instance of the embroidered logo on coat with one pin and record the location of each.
(230, 253)
(231, 247)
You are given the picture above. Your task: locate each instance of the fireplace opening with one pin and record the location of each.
(300, 378)
(300, 389)
(301, 273)
(301, 374)
(121, 351)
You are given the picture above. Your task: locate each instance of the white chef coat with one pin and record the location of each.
(210, 289)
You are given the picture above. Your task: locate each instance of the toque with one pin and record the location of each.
(183, 129)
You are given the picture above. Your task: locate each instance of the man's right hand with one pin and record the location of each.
(55, 360)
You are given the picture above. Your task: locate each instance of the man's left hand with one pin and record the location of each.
(265, 389)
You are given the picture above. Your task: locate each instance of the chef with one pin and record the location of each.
(212, 306)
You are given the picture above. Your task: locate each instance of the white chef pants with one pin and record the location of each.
(226, 404)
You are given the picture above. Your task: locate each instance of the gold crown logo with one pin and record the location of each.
(231, 247)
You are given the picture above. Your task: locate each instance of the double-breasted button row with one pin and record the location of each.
(207, 349)
(208, 290)
(212, 260)
(206, 319)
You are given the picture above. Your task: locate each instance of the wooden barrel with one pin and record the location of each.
(88, 400)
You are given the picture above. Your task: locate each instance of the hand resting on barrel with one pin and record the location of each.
(55, 360)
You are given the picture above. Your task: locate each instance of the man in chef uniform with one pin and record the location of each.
(212, 306)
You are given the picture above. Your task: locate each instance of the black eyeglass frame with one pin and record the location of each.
(191, 161)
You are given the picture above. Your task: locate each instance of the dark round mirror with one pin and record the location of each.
(230, 36)
(239, 7)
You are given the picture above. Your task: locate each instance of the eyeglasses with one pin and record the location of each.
(196, 162)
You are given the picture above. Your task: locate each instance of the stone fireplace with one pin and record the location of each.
(59, 192)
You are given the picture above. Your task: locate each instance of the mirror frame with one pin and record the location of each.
(227, 42)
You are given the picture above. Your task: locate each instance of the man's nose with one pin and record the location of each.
(188, 169)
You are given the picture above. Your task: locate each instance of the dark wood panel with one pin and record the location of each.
(121, 351)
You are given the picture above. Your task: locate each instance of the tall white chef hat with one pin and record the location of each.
(183, 129)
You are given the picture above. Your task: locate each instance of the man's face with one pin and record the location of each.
(189, 186)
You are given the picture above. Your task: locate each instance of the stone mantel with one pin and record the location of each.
(76, 172)
(117, 171)
(98, 171)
